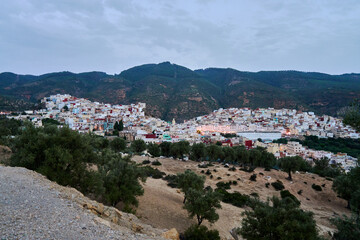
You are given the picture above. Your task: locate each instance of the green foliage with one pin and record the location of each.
(253, 177)
(286, 193)
(190, 180)
(214, 152)
(138, 146)
(316, 187)
(203, 204)
(154, 149)
(156, 163)
(281, 140)
(121, 180)
(197, 151)
(49, 121)
(196, 232)
(237, 199)
(279, 221)
(335, 145)
(8, 127)
(223, 185)
(118, 144)
(291, 164)
(172, 180)
(278, 185)
(352, 115)
(348, 228)
(146, 162)
(179, 149)
(347, 184)
(165, 149)
(153, 172)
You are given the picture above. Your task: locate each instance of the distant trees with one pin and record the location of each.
(154, 149)
(196, 232)
(197, 151)
(351, 115)
(119, 125)
(281, 220)
(118, 144)
(138, 146)
(179, 149)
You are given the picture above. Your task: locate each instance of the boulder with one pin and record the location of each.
(172, 234)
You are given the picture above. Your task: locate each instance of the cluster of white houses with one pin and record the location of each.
(246, 125)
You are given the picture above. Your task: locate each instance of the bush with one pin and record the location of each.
(278, 185)
(247, 169)
(156, 163)
(172, 180)
(153, 172)
(223, 185)
(300, 192)
(234, 182)
(218, 178)
(237, 199)
(196, 232)
(208, 172)
(267, 185)
(254, 194)
(316, 187)
(146, 162)
(232, 169)
(253, 177)
(286, 193)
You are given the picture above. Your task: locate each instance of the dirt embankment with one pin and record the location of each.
(161, 206)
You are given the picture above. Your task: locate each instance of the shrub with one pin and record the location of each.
(153, 172)
(300, 192)
(202, 171)
(316, 187)
(278, 185)
(253, 177)
(254, 194)
(146, 162)
(329, 179)
(172, 180)
(196, 232)
(247, 169)
(218, 178)
(267, 185)
(234, 182)
(208, 172)
(156, 163)
(286, 193)
(305, 183)
(211, 176)
(260, 173)
(223, 185)
(237, 199)
(232, 169)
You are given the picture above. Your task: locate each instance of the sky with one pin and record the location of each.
(42, 36)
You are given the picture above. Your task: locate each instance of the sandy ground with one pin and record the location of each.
(161, 206)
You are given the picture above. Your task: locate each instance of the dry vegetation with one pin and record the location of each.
(161, 206)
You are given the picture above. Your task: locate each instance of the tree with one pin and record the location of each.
(165, 149)
(283, 220)
(121, 125)
(214, 152)
(290, 164)
(121, 180)
(203, 204)
(346, 185)
(197, 151)
(351, 115)
(179, 149)
(348, 228)
(196, 232)
(188, 180)
(138, 146)
(118, 144)
(154, 149)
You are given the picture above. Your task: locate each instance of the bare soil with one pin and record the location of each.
(162, 206)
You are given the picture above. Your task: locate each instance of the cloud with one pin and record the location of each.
(39, 36)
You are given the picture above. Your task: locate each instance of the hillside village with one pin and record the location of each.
(252, 128)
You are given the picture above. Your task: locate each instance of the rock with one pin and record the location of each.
(136, 228)
(172, 234)
(178, 191)
(102, 221)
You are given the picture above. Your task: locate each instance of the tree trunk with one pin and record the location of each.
(199, 219)
(184, 200)
(290, 178)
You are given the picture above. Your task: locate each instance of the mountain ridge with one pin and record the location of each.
(174, 91)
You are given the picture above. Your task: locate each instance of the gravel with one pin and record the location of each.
(31, 208)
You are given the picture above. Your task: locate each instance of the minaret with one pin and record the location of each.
(173, 121)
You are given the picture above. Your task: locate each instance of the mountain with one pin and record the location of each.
(173, 91)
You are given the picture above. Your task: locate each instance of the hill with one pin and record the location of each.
(173, 91)
(33, 207)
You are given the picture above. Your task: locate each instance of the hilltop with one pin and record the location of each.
(173, 91)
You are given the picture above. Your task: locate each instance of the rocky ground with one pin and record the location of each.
(32, 207)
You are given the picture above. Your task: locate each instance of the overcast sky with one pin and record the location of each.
(41, 36)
